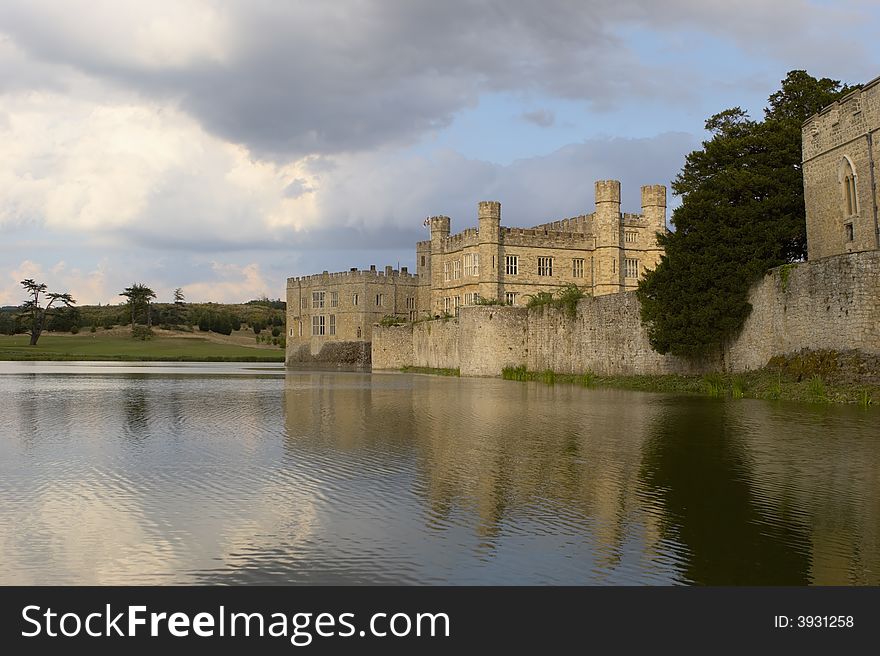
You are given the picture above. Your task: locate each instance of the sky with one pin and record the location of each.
(221, 146)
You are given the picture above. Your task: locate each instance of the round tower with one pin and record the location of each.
(654, 205)
(489, 215)
(607, 276)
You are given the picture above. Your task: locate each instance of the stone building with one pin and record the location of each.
(840, 174)
(603, 253)
(330, 315)
(329, 312)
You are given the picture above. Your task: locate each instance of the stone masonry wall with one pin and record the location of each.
(606, 337)
(833, 303)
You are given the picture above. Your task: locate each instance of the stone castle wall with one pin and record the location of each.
(833, 303)
(842, 140)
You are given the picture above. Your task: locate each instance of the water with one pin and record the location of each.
(121, 473)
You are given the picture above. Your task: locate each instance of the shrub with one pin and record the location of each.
(391, 320)
(74, 329)
(816, 388)
(142, 333)
(713, 384)
(276, 331)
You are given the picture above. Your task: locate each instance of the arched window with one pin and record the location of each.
(847, 177)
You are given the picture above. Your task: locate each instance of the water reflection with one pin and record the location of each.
(229, 475)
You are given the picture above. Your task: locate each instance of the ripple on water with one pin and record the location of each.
(183, 474)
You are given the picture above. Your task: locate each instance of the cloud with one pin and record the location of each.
(541, 117)
(291, 79)
(229, 284)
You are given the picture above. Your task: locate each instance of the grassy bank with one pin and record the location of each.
(771, 383)
(100, 346)
(430, 370)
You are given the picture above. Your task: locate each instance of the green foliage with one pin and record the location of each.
(738, 387)
(865, 398)
(34, 314)
(742, 213)
(391, 320)
(541, 298)
(548, 377)
(784, 273)
(566, 299)
(714, 385)
(276, 331)
(816, 387)
(515, 373)
(142, 333)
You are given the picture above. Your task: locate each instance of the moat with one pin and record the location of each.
(126, 473)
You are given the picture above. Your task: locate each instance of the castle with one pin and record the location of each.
(605, 252)
(840, 175)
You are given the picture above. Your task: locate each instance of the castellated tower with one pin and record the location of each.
(654, 206)
(489, 215)
(439, 226)
(607, 274)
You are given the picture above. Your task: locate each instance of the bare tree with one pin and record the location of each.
(34, 309)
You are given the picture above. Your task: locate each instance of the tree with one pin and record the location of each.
(179, 298)
(139, 297)
(34, 310)
(742, 213)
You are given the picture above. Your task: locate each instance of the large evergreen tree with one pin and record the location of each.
(742, 213)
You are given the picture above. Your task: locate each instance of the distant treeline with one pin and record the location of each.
(258, 315)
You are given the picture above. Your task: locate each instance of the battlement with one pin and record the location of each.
(467, 237)
(357, 275)
(582, 224)
(842, 121)
(608, 191)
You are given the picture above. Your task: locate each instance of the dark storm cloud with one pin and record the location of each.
(301, 78)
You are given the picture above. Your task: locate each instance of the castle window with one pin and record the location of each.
(850, 198)
(456, 303)
(318, 301)
(456, 269)
(332, 326)
(359, 332)
(614, 266)
(410, 302)
(447, 304)
(300, 328)
(318, 325)
(850, 234)
(493, 263)
(380, 300)
(511, 265)
(290, 332)
(446, 271)
(577, 267)
(472, 264)
(632, 268)
(355, 299)
(302, 303)
(510, 298)
(334, 299)
(423, 260)
(545, 266)
(630, 236)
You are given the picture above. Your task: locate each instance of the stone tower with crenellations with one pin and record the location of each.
(330, 315)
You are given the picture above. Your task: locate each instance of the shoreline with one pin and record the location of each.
(765, 384)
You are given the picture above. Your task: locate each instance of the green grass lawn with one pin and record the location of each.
(92, 346)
